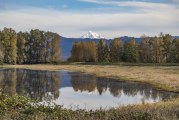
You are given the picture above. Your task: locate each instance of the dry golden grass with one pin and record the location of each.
(164, 77)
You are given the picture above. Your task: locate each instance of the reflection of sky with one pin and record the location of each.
(72, 89)
(85, 100)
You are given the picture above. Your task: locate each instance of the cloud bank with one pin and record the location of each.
(148, 18)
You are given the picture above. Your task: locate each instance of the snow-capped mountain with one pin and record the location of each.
(92, 35)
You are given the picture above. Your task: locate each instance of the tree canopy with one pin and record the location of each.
(34, 47)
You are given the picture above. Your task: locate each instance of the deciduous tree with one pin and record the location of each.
(21, 41)
(9, 40)
(116, 50)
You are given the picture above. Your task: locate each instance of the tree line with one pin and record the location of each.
(39, 46)
(161, 49)
(35, 46)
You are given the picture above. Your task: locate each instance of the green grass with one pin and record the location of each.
(22, 108)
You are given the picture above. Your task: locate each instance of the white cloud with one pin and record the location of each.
(127, 3)
(74, 24)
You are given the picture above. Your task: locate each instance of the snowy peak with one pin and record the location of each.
(92, 35)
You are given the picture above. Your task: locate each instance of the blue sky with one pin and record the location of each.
(110, 18)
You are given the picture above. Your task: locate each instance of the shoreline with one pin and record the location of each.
(141, 74)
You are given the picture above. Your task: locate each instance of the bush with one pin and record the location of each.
(22, 108)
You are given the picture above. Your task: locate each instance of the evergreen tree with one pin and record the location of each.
(106, 55)
(131, 51)
(176, 51)
(101, 51)
(115, 50)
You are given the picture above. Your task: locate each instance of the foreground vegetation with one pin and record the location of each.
(22, 108)
(163, 77)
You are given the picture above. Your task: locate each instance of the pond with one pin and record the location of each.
(76, 90)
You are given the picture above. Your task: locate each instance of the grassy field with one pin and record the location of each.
(163, 77)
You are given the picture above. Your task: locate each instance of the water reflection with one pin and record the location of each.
(72, 88)
(32, 83)
(89, 83)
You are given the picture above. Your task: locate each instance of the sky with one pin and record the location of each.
(109, 18)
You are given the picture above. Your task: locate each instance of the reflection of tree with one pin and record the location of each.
(8, 80)
(21, 75)
(130, 89)
(55, 84)
(41, 85)
(32, 83)
(83, 82)
(102, 85)
(115, 88)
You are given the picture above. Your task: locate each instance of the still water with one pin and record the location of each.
(76, 90)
